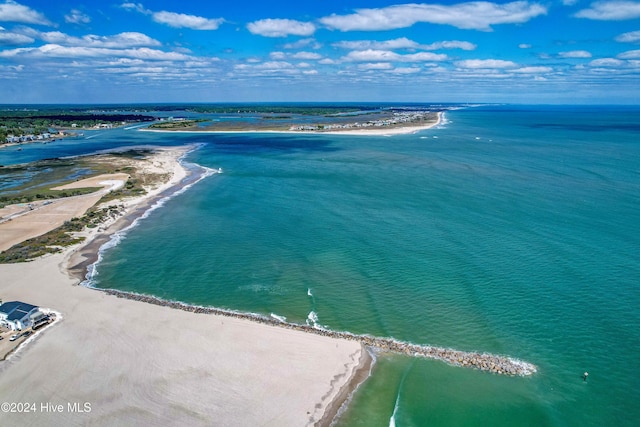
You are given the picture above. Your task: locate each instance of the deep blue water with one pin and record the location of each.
(511, 230)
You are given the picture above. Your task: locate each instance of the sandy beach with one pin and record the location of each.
(125, 362)
(368, 131)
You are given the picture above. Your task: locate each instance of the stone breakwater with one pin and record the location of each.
(482, 361)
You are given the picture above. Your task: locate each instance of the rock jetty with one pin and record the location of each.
(481, 361)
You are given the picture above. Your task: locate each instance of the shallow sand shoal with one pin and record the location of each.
(144, 364)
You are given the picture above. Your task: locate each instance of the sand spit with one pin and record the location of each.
(367, 131)
(482, 361)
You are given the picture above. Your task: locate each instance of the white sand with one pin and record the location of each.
(363, 131)
(141, 364)
(26, 223)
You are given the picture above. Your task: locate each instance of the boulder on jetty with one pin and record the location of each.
(482, 361)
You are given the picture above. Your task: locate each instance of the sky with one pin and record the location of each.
(527, 52)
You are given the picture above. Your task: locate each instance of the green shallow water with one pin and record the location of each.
(507, 230)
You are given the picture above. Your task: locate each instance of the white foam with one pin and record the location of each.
(280, 318)
(309, 292)
(116, 238)
(312, 320)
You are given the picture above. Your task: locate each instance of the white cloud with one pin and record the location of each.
(485, 64)
(11, 11)
(403, 43)
(478, 15)
(450, 44)
(524, 46)
(281, 27)
(310, 72)
(399, 43)
(8, 38)
(268, 68)
(118, 41)
(76, 17)
(630, 54)
(630, 37)
(181, 20)
(375, 66)
(306, 55)
(299, 44)
(607, 62)
(616, 10)
(532, 70)
(138, 7)
(58, 51)
(575, 54)
(569, 2)
(372, 55)
(279, 56)
(404, 70)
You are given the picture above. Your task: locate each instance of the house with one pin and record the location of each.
(17, 315)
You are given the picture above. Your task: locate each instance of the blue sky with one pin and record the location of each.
(559, 51)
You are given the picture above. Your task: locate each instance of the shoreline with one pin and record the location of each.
(256, 365)
(346, 373)
(378, 131)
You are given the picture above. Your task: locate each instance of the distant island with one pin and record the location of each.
(19, 125)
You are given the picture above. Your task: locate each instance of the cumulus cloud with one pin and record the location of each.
(478, 15)
(11, 11)
(281, 27)
(58, 51)
(485, 64)
(450, 44)
(630, 37)
(76, 17)
(524, 46)
(404, 70)
(403, 43)
(375, 66)
(607, 62)
(181, 20)
(176, 20)
(269, 68)
(8, 38)
(616, 10)
(399, 43)
(532, 70)
(299, 44)
(306, 55)
(122, 40)
(372, 55)
(575, 54)
(137, 7)
(630, 54)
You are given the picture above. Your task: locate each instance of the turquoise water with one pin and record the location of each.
(511, 230)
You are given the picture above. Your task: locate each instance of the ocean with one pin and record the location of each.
(512, 230)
